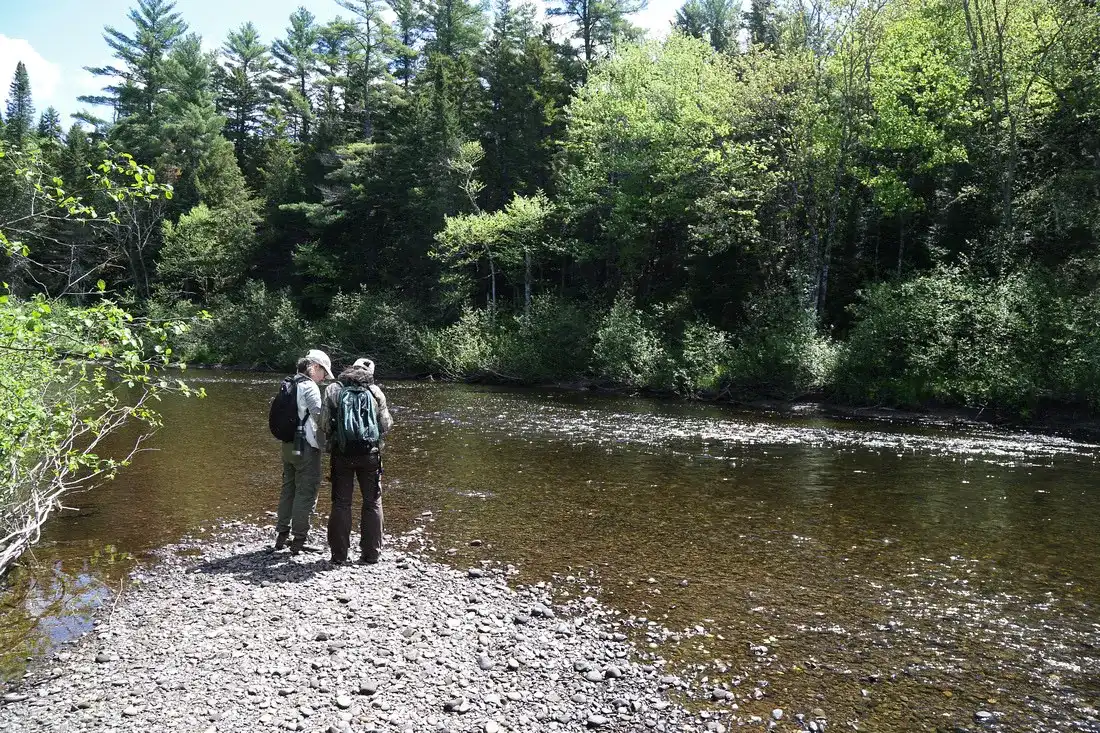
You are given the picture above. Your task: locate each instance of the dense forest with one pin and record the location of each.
(883, 201)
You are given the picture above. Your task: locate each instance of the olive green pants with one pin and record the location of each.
(301, 479)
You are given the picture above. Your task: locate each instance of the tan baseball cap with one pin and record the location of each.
(319, 357)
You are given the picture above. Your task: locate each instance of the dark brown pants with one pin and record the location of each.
(344, 471)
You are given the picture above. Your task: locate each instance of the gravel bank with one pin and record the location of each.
(230, 636)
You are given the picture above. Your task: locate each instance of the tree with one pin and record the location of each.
(373, 36)
(49, 125)
(715, 21)
(598, 22)
(192, 127)
(409, 24)
(514, 236)
(663, 172)
(296, 57)
(527, 93)
(141, 75)
(20, 119)
(59, 365)
(457, 27)
(762, 24)
(244, 90)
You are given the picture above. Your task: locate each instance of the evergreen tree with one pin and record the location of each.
(193, 127)
(373, 38)
(715, 21)
(20, 120)
(49, 125)
(526, 95)
(457, 27)
(410, 21)
(141, 77)
(296, 57)
(244, 90)
(762, 24)
(598, 22)
(332, 86)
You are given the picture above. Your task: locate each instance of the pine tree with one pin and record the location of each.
(20, 106)
(373, 38)
(49, 125)
(526, 94)
(192, 127)
(141, 75)
(297, 64)
(409, 25)
(715, 21)
(244, 90)
(457, 27)
(598, 22)
(762, 24)
(333, 94)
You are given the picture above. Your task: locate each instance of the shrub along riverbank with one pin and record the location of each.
(942, 339)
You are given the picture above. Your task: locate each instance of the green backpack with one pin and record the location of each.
(356, 427)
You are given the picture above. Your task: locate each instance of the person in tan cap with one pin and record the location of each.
(355, 417)
(302, 455)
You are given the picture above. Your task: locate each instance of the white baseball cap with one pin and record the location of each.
(319, 357)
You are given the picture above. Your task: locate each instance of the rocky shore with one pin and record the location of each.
(231, 636)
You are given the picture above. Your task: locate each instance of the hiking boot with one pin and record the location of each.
(365, 559)
(280, 540)
(338, 562)
(299, 545)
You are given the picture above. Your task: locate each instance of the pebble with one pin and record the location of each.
(777, 714)
(267, 637)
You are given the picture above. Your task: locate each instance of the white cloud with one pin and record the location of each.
(45, 76)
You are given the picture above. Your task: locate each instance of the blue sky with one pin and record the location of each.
(57, 38)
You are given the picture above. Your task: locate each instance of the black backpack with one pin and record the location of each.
(282, 418)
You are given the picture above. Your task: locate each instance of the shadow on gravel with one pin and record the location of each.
(264, 566)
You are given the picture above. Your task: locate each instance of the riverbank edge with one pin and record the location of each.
(600, 678)
(1076, 422)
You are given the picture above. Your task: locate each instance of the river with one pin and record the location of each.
(899, 578)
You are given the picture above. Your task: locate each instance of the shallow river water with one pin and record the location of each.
(898, 578)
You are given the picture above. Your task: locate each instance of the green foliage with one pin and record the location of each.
(551, 343)
(207, 251)
(69, 376)
(379, 174)
(948, 337)
(626, 349)
(383, 325)
(257, 328)
(779, 352)
(466, 348)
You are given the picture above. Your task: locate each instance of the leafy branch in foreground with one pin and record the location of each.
(69, 376)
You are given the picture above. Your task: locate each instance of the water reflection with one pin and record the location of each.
(926, 562)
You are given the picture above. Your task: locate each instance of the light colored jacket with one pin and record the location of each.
(309, 403)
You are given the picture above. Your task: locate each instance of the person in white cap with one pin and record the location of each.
(302, 463)
(355, 417)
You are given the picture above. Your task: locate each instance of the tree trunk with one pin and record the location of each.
(526, 283)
